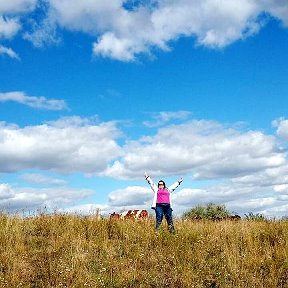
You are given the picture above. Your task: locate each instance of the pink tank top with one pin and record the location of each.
(163, 196)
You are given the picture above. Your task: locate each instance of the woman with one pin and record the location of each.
(162, 203)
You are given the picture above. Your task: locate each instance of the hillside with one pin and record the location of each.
(73, 251)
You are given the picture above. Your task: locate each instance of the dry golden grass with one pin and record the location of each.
(73, 251)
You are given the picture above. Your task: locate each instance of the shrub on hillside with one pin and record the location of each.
(210, 211)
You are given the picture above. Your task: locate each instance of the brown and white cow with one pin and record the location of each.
(115, 216)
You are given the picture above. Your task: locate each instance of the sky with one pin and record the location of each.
(95, 93)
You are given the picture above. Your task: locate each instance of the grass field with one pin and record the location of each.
(73, 251)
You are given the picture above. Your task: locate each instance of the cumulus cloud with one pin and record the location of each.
(111, 46)
(271, 177)
(132, 195)
(237, 197)
(135, 31)
(59, 146)
(282, 127)
(245, 170)
(206, 149)
(212, 23)
(125, 29)
(17, 199)
(33, 101)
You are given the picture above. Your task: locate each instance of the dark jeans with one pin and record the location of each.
(161, 211)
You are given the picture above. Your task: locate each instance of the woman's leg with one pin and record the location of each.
(159, 216)
(169, 218)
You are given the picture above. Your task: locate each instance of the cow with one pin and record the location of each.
(131, 214)
(142, 214)
(234, 217)
(115, 216)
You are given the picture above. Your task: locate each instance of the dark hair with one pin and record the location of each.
(161, 181)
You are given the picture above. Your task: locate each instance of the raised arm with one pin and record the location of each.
(172, 187)
(150, 182)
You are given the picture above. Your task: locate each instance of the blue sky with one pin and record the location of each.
(93, 94)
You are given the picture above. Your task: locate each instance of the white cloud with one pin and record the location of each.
(222, 192)
(17, 6)
(282, 127)
(42, 179)
(164, 117)
(87, 16)
(281, 188)
(9, 52)
(237, 198)
(278, 9)
(8, 27)
(27, 199)
(5, 191)
(131, 195)
(247, 170)
(64, 147)
(271, 177)
(111, 46)
(213, 24)
(122, 33)
(32, 101)
(43, 33)
(204, 148)
(250, 168)
(10, 23)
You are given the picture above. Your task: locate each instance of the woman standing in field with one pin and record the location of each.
(162, 201)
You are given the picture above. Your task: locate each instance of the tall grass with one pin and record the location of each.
(72, 251)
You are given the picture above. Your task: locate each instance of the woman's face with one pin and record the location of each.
(161, 185)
